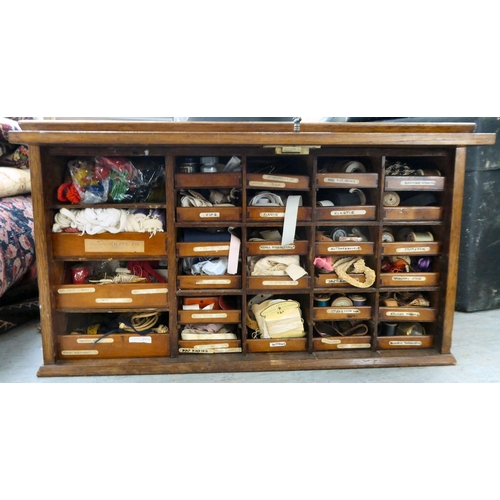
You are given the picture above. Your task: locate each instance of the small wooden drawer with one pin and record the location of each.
(398, 314)
(272, 182)
(209, 214)
(107, 245)
(343, 180)
(123, 296)
(406, 342)
(361, 212)
(277, 283)
(113, 346)
(277, 345)
(334, 343)
(209, 346)
(276, 248)
(414, 248)
(271, 214)
(342, 313)
(332, 280)
(214, 316)
(203, 249)
(409, 279)
(345, 248)
(209, 282)
(414, 183)
(412, 213)
(208, 180)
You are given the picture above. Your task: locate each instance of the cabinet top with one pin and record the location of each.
(92, 133)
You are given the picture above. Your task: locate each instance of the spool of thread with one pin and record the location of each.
(348, 166)
(391, 199)
(387, 237)
(358, 300)
(341, 301)
(426, 236)
(322, 300)
(337, 233)
(410, 329)
(403, 233)
(188, 166)
(389, 329)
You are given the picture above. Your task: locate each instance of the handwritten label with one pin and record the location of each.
(219, 248)
(354, 346)
(403, 314)
(331, 281)
(211, 346)
(270, 215)
(91, 341)
(150, 291)
(277, 344)
(344, 249)
(210, 215)
(189, 350)
(343, 311)
(418, 183)
(337, 180)
(267, 184)
(207, 316)
(409, 278)
(348, 212)
(277, 247)
(280, 178)
(280, 283)
(405, 342)
(65, 291)
(140, 340)
(213, 282)
(415, 249)
(123, 246)
(331, 341)
(113, 301)
(83, 352)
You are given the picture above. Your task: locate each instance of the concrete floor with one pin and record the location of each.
(476, 346)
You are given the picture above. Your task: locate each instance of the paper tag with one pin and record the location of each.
(91, 341)
(280, 283)
(418, 183)
(104, 246)
(189, 350)
(331, 341)
(343, 311)
(149, 291)
(219, 248)
(344, 249)
(267, 184)
(83, 352)
(295, 272)
(415, 249)
(403, 314)
(337, 180)
(280, 178)
(140, 340)
(208, 316)
(334, 280)
(271, 215)
(277, 344)
(348, 212)
(277, 247)
(405, 342)
(210, 215)
(67, 291)
(213, 282)
(354, 346)
(409, 278)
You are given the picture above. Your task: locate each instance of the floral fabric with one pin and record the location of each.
(12, 155)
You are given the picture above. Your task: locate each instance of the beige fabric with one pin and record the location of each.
(288, 325)
(354, 266)
(14, 181)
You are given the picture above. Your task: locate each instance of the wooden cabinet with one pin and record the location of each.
(326, 180)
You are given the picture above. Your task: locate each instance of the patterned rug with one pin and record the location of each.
(15, 315)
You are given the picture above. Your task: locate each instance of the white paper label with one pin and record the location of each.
(277, 247)
(208, 316)
(280, 178)
(271, 215)
(210, 215)
(334, 280)
(91, 341)
(125, 246)
(409, 278)
(267, 184)
(348, 212)
(405, 342)
(344, 249)
(213, 282)
(83, 352)
(403, 314)
(188, 350)
(343, 311)
(418, 183)
(66, 291)
(211, 346)
(354, 346)
(331, 341)
(140, 340)
(415, 249)
(113, 301)
(280, 283)
(277, 344)
(337, 180)
(219, 248)
(150, 291)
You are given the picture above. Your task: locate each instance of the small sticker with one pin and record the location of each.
(409, 278)
(348, 212)
(344, 249)
(91, 341)
(418, 183)
(277, 247)
(277, 344)
(331, 341)
(213, 282)
(403, 314)
(140, 340)
(280, 178)
(83, 352)
(415, 249)
(354, 346)
(337, 180)
(267, 184)
(65, 291)
(280, 283)
(210, 215)
(271, 215)
(406, 342)
(149, 291)
(208, 316)
(343, 311)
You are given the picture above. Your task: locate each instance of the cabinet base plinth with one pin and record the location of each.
(239, 363)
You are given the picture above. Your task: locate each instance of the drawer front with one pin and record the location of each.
(277, 283)
(122, 245)
(209, 214)
(203, 249)
(272, 214)
(208, 282)
(127, 296)
(410, 342)
(218, 316)
(265, 181)
(342, 180)
(398, 314)
(342, 313)
(340, 343)
(209, 346)
(277, 345)
(409, 279)
(344, 248)
(214, 180)
(276, 248)
(412, 213)
(332, 280)
(362, 212)
(418, 248)
(114, 346)
(414, 183)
